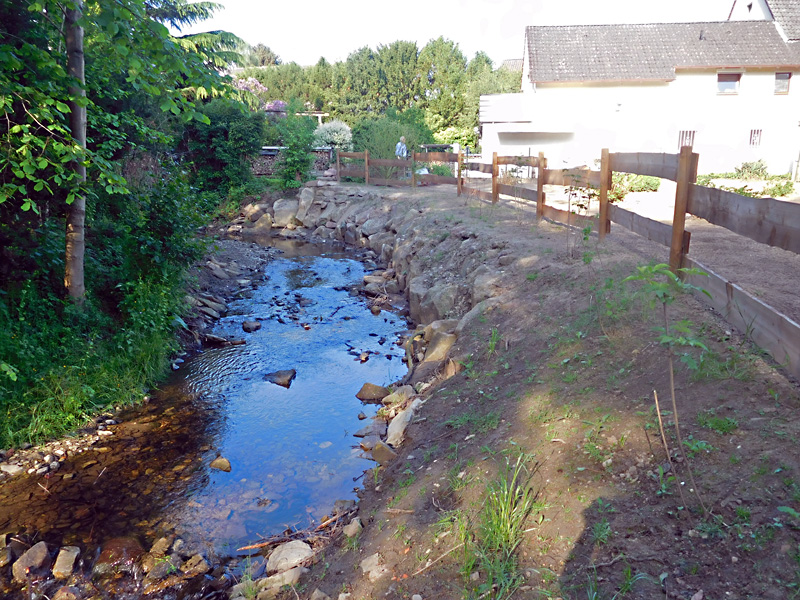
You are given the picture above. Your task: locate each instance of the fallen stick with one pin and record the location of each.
(426, 567)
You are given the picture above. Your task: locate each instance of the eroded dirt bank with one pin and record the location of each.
(554, 359)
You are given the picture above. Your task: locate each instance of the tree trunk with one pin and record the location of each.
(76, 211)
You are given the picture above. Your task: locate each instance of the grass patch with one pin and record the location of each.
(475, 423)
(721, 425)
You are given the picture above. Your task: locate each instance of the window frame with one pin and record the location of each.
(787, 80)
(727, 77)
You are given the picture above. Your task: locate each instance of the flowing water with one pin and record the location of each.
(292, 451)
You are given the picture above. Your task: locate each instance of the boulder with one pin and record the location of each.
(444, 326)
(370, 392)
(284, 212)
(288, 555)
(253, 212)
(318, 594)
(437, 303)
(65, 562)
(282, 378)
(353, 528)
(439, 346)
(270, 586)
(6, 551)
(117, 555)
(221, 464)
(36, 561)
(196, 565)
(399, 396)
(372, 226)
(372, 567)
(251, 326)
(262, 226)
(417, 289)
(382, 454)
(485, 286)
(67, 592)
(305, 201)
(376, 428)
(396, 431)
(11, 470)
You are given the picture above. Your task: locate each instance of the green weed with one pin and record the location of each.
(721, 425)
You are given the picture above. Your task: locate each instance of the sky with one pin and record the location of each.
(304, 31)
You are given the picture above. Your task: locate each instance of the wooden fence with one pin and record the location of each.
(765, 220)
(345, 167)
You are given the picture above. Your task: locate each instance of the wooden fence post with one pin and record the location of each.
(366, 167)
(338, 166)
(495, 174)
(542, 164)
(458, 172)
(605, 185)
(413, 170)
(687, 170)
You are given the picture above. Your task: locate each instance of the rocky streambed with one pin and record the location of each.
(158, 500)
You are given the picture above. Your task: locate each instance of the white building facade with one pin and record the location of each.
(729, 89)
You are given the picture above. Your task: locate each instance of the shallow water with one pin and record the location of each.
(291, 450)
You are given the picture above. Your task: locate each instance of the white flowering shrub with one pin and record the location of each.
(334, 133)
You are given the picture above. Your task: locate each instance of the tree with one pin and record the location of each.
(261, 56)
(357, 83)
(441, 67)
(400, 76)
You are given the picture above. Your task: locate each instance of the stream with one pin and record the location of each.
(292, 451)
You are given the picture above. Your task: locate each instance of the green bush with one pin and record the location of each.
(778, 190)
(440, 169)
(752, 170)
(464, 136)
(379, 135)
(221, 150)
(336, 134)
(624, 183)
(297, 136)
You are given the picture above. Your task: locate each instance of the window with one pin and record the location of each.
(755, 137)
(685, 138)
(728, 83)
(782, 83)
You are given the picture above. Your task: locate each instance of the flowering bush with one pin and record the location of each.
(277, 106)
(334, 133)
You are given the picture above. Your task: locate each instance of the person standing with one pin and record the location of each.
(400, 150)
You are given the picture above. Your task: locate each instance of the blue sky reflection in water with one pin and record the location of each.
(291, 450)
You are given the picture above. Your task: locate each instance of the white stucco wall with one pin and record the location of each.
(572, 122)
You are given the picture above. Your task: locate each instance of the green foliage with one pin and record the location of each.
(221, 149)
(441, 170)
(464, 136)
(708, 419)
(379, 135)
(335, 134)
(778, 190)
(752, 170)
(297, 136)
(624, 183)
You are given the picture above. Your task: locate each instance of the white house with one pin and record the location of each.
(731, 89)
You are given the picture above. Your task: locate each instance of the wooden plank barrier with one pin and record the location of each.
(519, 161)
(572, 177)
(517, 191)
(482, 194)
(437, 179)
(771, 330)
(647, 228)
(427, 157)
(646, 163)
(357, 155)
(765, 220)
(569, 218)
(480, 167)
(351, 173)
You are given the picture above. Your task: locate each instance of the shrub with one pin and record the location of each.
(464, 136)
(624, 183)
(379, 135)
(297, 135)
(752, 170)
(440, 169)
(336, 134)
(778, 190)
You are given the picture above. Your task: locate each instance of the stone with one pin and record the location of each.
(376, 428)
(382, 454)
(117, 555)
(398, 396)
(437, 303)
(36, 560)
(485, 286)
(11, 469)
(282, 378)
(341, 507)
(417, 289)
(353, 528)
(288, 555)
(6, 551)
(196, 565)
(160, 547)
(305, 200)
(253, 212)
(372, 226)
(318, 594)
(217, 271)
(440, 326)
(396, 431)
(262, 226)
(439, 346)
(370, 392)
(251, 326)
(208, 311)
(65, 562)
(372, 567)
(67, 592)
(275, 582)
(285, 212)
(221, 464)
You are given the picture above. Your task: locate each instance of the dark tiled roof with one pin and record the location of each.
(652, 51)
(787, 14)
(512, 64)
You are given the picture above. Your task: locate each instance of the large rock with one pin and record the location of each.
(438, 303)
(382, 454)
(443, 325)
(373, 568)
(221, 464)
(251, 326)
(284, 212)
(196, 565)
(65, 562)
(485, 286)
(439, 346)
(396, 432)
(353, 528)
(417, 288)
(36, 561)
(370, 392)
(67, 593)
(378, 240)
(6, 551)
(11, 469)
(117, 555)
(375, 428)
(372, 226)
(288, 555)
(262, 226)
(253, 212)
(399, 396)
(282, 378)
(305, 201)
